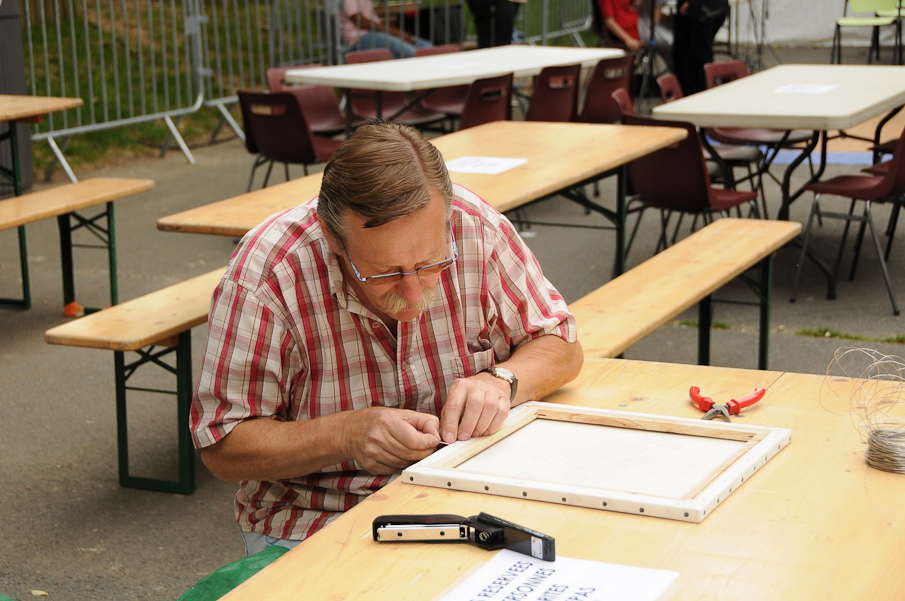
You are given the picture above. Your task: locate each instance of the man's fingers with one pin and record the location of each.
(452, 412)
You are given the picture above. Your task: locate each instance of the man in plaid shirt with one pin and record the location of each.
(354, 332)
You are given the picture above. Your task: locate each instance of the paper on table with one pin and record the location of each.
(805, 88)
(510, 575)
(487, 165)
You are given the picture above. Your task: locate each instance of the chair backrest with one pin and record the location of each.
(276, 76)
(670, 89)
(674, 177)
(275, 127)
(894, 178)
(555, 94)
(318, 103)
(488, 100)
(364, 102)
(624, 102)
(432, 50)
(724, 72)
(871, 6)
(609, 74)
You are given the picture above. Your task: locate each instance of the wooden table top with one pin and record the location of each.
(449, 69)
(816, 97)
(14, 107)
(814, 523)
(560, 155)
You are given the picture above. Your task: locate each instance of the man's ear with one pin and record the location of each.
(332, 239)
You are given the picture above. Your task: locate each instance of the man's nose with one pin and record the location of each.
(410, 287)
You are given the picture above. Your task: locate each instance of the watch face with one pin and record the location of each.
(502, 372)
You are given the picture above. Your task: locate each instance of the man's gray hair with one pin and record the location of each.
(383, 172)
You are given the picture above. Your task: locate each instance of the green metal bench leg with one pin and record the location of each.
(15, 175)
(705, 321)
(621, 193)
(183, 371)
(765, 294)
(66, 263)
(69, 223)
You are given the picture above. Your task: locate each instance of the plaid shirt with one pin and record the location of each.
(288, 340)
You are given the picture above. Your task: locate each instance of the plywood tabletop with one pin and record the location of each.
(633, 305)
(559, 155)
(814, 523)
(14, 107)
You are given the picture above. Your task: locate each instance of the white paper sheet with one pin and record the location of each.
(511, 575)
(805, 88)
(486, 165)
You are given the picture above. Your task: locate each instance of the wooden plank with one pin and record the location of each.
(14, 107)
(59, 200)
(560, 155)
(628, 308)
(150, 319)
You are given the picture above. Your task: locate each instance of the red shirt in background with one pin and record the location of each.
(623, 11)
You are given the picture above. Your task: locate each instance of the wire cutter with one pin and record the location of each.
(733, 407)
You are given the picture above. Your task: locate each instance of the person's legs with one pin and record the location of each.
(503, 21)
(481, 12)
(380, 39)
(256, 542)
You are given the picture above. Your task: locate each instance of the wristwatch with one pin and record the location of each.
(507, 376)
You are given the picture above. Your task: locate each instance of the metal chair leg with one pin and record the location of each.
(848, 222)
(873, 232)
(804, 246)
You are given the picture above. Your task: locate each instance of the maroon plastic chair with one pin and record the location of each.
(276, 130)
(867, 188)
(449, 100)
(675, 178)
(623, 101)
(609, 74)
(554, 95)
(488, 99)
(670, 88)
(393, 104)
(319, 103)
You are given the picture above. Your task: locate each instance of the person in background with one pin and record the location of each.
(494, 20)
(363, 29)
(662, 34)
(620, 17)
(696, 24)
(353, 333)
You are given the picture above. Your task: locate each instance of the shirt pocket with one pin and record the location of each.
(467, 366)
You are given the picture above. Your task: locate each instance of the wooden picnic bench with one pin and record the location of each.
(152, 326)
(631, 306)
(64, 202)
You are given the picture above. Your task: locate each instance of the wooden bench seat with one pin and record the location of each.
(631, 306)
(64, 202)
(153, 326)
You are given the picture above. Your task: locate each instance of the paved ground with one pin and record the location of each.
(68, 529)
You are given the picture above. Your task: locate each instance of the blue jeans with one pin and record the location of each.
(255, 542)
(380, 39)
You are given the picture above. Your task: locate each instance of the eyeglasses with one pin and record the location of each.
(426, 270)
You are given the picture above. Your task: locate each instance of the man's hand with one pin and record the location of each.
(384, 440)
(633, 45)
(475, 406)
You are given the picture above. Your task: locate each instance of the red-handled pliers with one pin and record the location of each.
(733, 407)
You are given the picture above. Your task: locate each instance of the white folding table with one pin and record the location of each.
(451, 69)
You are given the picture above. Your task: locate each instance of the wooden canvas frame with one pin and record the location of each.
(697, 499)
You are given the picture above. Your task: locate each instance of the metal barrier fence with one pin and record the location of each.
(135, 61)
